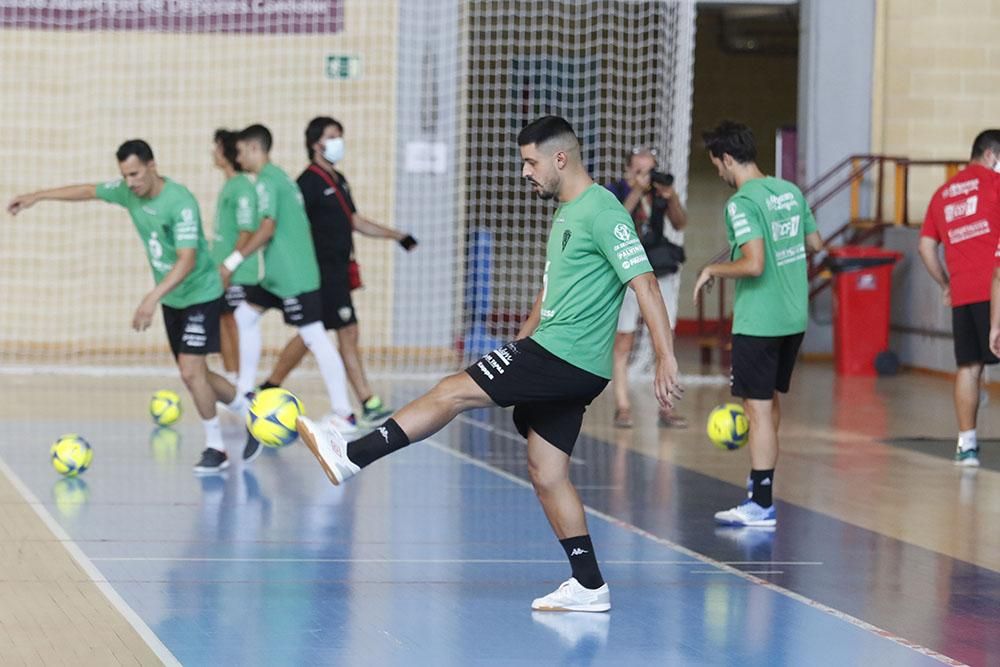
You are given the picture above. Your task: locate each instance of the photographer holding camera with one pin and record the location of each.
(648, 195)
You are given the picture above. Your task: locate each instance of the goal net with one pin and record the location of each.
(431, 94)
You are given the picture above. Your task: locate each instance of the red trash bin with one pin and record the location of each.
(862, 285)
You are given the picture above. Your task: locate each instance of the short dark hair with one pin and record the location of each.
(315, 129)
(544, 129)
(136, 147)
(227, 139)
(258, 133)
(734, 139)
(987, 140)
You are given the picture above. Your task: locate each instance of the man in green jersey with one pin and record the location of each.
(769, 226)
(291, 275)
(166, 216)
(235, 221)
(560, 361)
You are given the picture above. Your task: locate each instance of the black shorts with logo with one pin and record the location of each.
(195, 329)
(549, 395)
(233, 297)
(970, 325)
(763, 365)
(298, 310)
(334, 288)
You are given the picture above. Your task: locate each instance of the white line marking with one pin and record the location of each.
(116, 600)
(843, 616)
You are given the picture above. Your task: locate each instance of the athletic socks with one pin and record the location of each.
(331, 367)
(580, 552)
(267, 384)
(239, 405)
(967, 440)
(248, 325)
(213, 434)
(762, 482)
(384, 440)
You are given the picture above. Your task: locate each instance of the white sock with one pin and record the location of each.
(213, 434)
(248, 326)
(331, 367)
(239, 405)
(967, 440)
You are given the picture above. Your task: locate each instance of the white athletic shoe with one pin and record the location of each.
(571, 596)
(343, 425)
(329, 447)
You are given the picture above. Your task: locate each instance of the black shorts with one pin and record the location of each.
(763, 365)
(233, 297)
(970, 325)
(299, 310)
(549, 395)
(338, 309)
(195, 329)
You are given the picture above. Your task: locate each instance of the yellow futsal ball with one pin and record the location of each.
(165, 407)
(71, 455)
(272, 416)
(728, 426)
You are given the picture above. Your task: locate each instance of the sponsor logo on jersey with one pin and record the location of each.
(566, 235)
(969, 231)
(785, 229)
(961, 209)
(622, 232)
(961, 188)
(782, 202)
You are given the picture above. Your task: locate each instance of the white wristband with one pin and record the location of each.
(233, 261)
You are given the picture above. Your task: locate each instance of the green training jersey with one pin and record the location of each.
(235, 212)
(290, 266)
(169, 222)
(593, 251)
(776, 302)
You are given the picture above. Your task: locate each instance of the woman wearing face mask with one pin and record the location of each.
(333, 218)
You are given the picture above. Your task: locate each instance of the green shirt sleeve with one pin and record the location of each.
(615, 238)
(247, 219)
(186, 222)
(267, 203)
(744, 221)
(114, 192)
(808, 220)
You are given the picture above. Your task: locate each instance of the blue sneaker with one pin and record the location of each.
(968, 458)
(747, 513)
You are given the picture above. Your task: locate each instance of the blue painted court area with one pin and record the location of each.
(431, 557)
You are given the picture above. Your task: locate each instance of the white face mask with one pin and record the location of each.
(333, 150)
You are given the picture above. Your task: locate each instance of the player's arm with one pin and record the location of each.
(182, 267)
(534, 317)
(83, 192)
(927, 248)
(814, 242)
(246, 245)
(995, 312)
(654, 314)
(750, 265)
(369, 227)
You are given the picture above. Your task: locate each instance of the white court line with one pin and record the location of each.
(424, 561)
(116, 600)
(798, 597)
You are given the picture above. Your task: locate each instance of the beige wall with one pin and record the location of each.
(936, 83)
(72, 274)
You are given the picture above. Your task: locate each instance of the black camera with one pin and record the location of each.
(661, 178)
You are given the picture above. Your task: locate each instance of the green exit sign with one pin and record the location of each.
(340, 67)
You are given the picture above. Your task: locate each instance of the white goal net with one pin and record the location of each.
(431, 94)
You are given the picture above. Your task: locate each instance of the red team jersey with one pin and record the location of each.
(964, 215)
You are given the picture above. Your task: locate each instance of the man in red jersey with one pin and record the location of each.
(964, 215)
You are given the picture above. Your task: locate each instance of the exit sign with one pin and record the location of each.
(340, 68)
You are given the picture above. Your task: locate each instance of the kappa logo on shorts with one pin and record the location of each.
(345, 313)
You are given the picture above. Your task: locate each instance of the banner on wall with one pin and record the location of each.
(207, 16)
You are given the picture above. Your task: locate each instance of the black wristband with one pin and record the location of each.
(408, 242)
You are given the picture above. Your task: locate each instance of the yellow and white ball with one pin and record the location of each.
(71, 455)
(728, 427)
(272, 416)
(165, 407)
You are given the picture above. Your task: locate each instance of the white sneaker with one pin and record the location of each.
(748, 513)
(343, 425)
(329, 447)
(571, 596)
